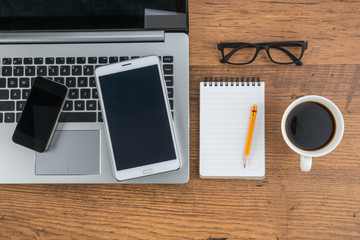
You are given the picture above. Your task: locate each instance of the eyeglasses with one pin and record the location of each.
(279, 52)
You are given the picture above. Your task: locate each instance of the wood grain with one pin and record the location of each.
(330, 27)
(287, 204)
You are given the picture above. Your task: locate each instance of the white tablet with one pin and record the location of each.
(137, 118)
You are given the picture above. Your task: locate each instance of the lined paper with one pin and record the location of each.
(224, 122)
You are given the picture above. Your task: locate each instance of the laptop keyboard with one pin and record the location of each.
(77, 73)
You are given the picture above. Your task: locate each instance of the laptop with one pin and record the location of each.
(65, 40)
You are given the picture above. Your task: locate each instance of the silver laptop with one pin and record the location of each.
(65, 40)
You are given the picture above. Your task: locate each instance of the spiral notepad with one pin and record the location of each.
(225, 108)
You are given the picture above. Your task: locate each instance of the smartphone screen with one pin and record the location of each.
(137, 117)
(40, 114)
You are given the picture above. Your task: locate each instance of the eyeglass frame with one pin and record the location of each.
(259, 46)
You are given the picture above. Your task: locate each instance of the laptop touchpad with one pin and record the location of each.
(70, 153)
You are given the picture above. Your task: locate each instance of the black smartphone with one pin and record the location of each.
(40, 115)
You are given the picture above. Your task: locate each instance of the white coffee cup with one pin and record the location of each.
(307, 155)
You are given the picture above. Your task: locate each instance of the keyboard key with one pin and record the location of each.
(113, 59)
(81, 60)
(78, 117)
(103, 60)
(17, 61)
(29, 71)
(6, 71)
(91, 105)
(1, 117)
(19, 71)
(41, 70)
(92, 60)
(168, 68)
(133, 57)
(70, 82)
(7, 105)
(95, 93)
(92, 82)
(9, 117)
(12, 82)
(100, 117)
(49, 60)
(171, 104)
(169, 80)
(6, 61)
(170, 92)
(99, 107)
(24, 82)
(2, 82)
(70, 60)
(124, 58)
(15, 94)
(25, 93)
(68, 106)
(76, 70)
(60, 60)
(65, 70)
(60, 80)
(53, 70)
(38, 60)
(88, 70)
(85, 93)
(4, 94)
(79, 105)
(73, 93)
(168, 59)
(20, 105)
(28, 61)
(82, 82)
(18, 116)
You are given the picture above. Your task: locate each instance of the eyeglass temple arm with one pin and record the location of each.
(295, 59)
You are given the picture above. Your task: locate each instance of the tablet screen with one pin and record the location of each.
(137, 117)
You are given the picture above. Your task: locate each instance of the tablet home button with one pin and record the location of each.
(147, 171)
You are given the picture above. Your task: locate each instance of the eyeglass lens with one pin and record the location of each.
(281, 54)
(241, 54)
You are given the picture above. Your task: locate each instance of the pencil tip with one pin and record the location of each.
(245, 159)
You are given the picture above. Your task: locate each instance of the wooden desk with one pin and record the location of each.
(287, 204)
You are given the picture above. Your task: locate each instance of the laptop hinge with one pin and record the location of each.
(81, 37)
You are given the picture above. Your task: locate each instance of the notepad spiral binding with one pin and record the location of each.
(232, 81)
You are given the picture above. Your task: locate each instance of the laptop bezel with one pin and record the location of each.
(171, 23)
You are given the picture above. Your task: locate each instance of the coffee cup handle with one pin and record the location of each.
(305, 163)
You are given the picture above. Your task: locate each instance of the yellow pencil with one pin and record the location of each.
(250, 133)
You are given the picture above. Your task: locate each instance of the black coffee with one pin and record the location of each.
(310, 126)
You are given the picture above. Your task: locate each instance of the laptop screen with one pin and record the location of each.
(93, 14)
